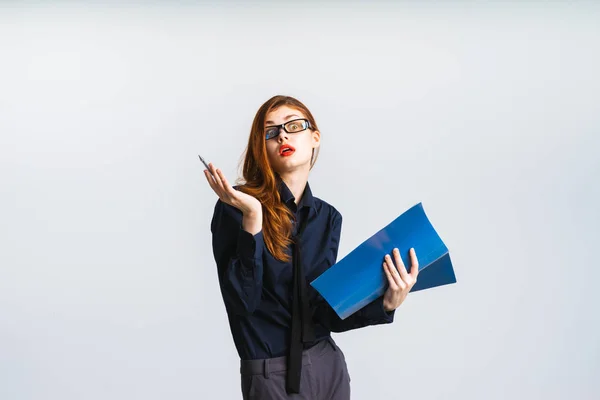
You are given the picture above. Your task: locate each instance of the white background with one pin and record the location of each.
(486, 113)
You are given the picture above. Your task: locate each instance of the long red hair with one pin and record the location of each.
(261, 182)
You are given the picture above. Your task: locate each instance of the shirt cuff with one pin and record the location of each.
(375, 312)
(250, 246)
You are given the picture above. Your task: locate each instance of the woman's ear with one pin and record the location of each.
(316, 135)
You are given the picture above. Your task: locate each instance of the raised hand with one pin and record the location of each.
(247, 204)
(400, 281)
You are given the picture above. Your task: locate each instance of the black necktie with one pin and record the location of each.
(302, 326)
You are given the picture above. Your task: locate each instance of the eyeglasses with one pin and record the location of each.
(294, 126)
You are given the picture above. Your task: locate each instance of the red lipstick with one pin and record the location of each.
(286, 150)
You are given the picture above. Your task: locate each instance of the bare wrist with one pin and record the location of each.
(252, 213)
(252, 221)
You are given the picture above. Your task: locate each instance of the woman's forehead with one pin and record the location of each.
(282, 114)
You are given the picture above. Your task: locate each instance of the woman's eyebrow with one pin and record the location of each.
(285, 119)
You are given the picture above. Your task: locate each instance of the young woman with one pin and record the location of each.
(271, 237)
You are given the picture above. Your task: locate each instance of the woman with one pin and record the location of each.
(271, 237)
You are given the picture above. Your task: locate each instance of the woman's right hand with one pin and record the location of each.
(247, 204)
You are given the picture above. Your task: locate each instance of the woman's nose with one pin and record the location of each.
(282, 134)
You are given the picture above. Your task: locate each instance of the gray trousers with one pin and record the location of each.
(324, 375)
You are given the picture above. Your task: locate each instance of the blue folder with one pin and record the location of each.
(358, 278)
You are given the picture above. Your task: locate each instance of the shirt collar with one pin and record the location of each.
(288, 198)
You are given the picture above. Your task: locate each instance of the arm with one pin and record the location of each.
(372, 314)
(238, 246)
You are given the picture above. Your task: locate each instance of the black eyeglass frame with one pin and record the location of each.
(306, 126)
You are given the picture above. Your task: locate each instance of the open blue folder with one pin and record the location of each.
(358, 278)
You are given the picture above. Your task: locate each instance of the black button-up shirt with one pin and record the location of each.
(257, 288)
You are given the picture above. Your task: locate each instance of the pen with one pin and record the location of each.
(204, 162)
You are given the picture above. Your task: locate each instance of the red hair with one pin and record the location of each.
(261, 182)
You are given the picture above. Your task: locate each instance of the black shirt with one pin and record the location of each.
(257, 288)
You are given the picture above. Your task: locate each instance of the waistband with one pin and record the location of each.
(267, 365)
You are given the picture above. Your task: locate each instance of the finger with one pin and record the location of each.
(233, 195)
(211, 173)
(394, 272)
(400, 263)
(414, 264)
(215, 173)
(212, 169)
(211, 180)
(222, 177)
(228, 188)
(390, 278)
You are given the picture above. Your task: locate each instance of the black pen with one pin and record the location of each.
(206, 165)
(204, 162)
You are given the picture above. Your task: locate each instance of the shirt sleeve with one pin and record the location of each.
(238, 255)
(371, 314)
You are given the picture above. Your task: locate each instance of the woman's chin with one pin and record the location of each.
(289, 166)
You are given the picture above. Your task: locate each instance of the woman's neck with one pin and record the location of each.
(296, 182)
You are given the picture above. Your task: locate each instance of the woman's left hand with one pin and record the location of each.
(400, 281)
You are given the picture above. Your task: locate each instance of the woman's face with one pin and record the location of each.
(288, 152)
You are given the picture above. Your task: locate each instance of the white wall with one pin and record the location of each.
(488, 114)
